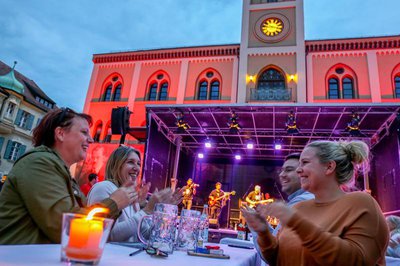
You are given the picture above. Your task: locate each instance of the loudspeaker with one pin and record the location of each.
(213, 223)
(120, 120)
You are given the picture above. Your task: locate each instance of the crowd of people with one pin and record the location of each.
(319, 225)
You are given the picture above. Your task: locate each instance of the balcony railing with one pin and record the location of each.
(271, 94)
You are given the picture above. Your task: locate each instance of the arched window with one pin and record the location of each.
(158, 88)
(203, 91)
(117, 93)
(209, 85)
(163, 94)
(333, 92)
(341, 83)
(214, 94)
(113, 88)
(97, 132)
(271, 79)
(107, 93)
(153, 92)
(348, 90)
(397, 87)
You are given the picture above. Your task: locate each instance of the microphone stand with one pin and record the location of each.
(280, 194)
(247, 191)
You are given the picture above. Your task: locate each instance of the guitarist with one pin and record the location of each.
(216, 200)
(256, 196)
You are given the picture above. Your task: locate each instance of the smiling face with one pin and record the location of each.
(130, 168)
(311, 171)
(288, 177)
(72, 143)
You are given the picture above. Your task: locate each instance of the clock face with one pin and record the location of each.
(272, 27)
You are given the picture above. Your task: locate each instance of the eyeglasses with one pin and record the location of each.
(151, 251)
(287, 170)
(63, 114)
(156, 252)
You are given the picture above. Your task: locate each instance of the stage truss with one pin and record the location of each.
(265, 125)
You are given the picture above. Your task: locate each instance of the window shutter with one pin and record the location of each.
(1, 142)
(21, 151)
(30, 122)
(18, 119)
(8, 149)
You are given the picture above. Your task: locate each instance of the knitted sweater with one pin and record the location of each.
(348, 231)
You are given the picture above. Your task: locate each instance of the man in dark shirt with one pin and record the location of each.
(216, 201)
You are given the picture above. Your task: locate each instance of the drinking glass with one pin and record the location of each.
(162, 228)
(188, 230)
(83, 240)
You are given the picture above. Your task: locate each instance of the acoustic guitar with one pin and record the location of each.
(212, 201)
(252, 205)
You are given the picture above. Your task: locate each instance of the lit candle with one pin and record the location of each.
(85, 236)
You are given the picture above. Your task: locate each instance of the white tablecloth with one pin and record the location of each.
(49, 255)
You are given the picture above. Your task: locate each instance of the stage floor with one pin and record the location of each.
(215, 235)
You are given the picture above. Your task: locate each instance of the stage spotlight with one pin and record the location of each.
(238, 157)
(180, 122)
(250, 146)
(278, 145)
(200, 155)
(291, 125)
(354, 126)
(207, 144)
(234, 126)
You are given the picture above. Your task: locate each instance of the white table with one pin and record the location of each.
(49, 255)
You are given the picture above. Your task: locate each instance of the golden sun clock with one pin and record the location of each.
(272, 28)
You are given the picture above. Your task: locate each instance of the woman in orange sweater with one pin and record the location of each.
(336, 228)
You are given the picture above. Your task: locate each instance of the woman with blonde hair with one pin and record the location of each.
(335, 228)
(123, 166)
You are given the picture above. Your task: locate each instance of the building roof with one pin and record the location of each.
(30, 89)
(9, 81)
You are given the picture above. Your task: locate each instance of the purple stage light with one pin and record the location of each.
(200, 155)
(250, 146)
(238, 157)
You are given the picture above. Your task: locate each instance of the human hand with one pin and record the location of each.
(162, 196)
(125, 195)
(254, 220)
(276, 209)
(177, 196)
(142, 192)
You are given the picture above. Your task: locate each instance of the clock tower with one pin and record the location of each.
(272, 52)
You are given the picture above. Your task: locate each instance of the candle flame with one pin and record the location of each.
(96, 210)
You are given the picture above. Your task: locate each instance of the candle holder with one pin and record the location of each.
(83, 238)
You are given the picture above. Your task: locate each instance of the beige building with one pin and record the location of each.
(23, 104)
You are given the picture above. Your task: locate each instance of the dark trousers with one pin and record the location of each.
(215, 212)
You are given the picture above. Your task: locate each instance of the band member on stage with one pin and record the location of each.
(256, 197)
(188, 192)
(216, 201)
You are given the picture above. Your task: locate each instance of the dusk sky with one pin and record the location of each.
(54, 40)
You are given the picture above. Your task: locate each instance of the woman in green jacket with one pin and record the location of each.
(39, 188)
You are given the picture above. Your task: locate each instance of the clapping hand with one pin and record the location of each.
(276, 209)
(254, 220)
(125, 195)
(142, 190)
